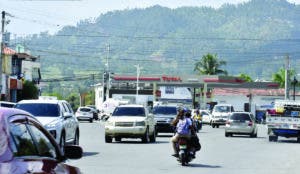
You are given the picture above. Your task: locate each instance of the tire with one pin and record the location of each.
(62, 142)
(76, 138)
(145, 138)
(298, 139)
(91, 120)
(153, 136)
(252, 135)
(182, 159)
(226, 134)
(273, 138)
(212, 125)
(118, 139)
(108, 139)
(217, 126)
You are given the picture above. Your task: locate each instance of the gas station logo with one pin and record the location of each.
(171, 79)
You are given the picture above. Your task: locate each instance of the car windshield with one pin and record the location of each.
(165, 110)
(129, 111)
(240, 117)
(222, 108)
(40, 109)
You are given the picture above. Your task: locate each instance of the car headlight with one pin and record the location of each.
(109, 123)
(52, 125)
(140, 123)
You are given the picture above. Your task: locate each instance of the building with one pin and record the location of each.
(18, 66)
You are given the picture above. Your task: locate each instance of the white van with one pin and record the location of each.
(220, 114)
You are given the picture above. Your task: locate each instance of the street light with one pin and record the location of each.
(138, 71)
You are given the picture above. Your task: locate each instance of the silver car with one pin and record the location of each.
(241, 123)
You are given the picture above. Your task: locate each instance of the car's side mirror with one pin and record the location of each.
(67, 115)
(73, 152)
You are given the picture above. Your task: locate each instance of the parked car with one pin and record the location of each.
(95, 111)
(27, 147)
(241, 123)
(220, 114)
(206, 116)
(164, 115)
(130, 121)
(7, 104)
(56, 116)
(85, 113)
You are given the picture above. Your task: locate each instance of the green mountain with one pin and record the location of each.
(253, 38)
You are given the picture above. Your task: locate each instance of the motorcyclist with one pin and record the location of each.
(184, 128)
(198, 119)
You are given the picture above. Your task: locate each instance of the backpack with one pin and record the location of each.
(183, 127)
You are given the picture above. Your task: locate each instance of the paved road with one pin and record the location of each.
(219, 155)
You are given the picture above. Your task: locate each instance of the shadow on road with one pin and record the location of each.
(245, 136)
(139, 142)
(165, 135)
(90, 153)
(204, 166)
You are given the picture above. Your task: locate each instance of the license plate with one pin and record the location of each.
(182, 147)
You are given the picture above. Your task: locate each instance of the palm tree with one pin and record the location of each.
(279, 77)
(246, 77)
(210, 65)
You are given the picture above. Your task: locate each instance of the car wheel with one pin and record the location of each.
(298, 139)
(62, 142)
(226, 134)
(217, 126)
(273, 138)
(118, 138)
(153, 136)
(212, 125)
(145, 138)
(91, 120)
(76, 138)
(108, 139)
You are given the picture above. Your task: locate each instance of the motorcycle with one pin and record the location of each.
(185, 153)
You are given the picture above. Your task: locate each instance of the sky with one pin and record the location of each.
(35, 16)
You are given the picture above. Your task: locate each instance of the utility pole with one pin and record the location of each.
(2, 49)
(107, 73)
(287, 77)
(138, 71)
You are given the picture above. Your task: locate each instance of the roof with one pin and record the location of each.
(131, 105)
(244, 91)
(39, 101)
(8, 51)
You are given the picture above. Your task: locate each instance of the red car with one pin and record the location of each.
(26, 147)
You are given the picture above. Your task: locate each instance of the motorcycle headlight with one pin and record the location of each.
(140, 123)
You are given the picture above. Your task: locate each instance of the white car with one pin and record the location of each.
(85, 113)
(56, 116)
(220, 114)
(206, 116)
(130, 121)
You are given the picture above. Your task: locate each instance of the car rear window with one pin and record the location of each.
(129, 111)
(222, 109)
(40, 109)
(240, 117)
(84, 109)
(165, 110)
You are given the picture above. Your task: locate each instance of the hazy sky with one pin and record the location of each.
(34, 16)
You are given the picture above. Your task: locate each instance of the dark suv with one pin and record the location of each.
(164, 115)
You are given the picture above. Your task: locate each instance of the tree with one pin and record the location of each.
(30, 91)
(279, 76)
(245, 77)
(210, 65)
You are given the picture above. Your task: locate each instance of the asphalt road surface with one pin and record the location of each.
(219, 155)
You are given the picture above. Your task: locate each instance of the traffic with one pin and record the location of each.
(61, 130)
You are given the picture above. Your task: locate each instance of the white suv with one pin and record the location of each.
(56, 116)
(130, 121)
(220, 114)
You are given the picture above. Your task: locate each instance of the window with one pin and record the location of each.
(43, 144)
(165, 110)
(84, 109)
(240, 117)
(129, 111)
(23, 140)
(40, 109)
